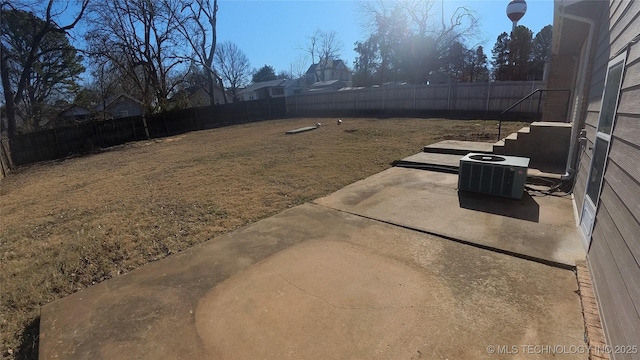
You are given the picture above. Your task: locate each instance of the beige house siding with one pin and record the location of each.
(614, 254)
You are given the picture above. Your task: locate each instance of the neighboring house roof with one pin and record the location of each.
(312, 68)
(350, 88)
(262, 84)
(283, 83)
(292, 82)
(328, 83)
(110, 101)
(329, 64)
(74, 110)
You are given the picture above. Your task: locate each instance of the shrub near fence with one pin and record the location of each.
(61, 142)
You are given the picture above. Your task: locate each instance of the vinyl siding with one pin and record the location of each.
(614, 255)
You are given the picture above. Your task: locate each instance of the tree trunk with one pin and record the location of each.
(8, 94)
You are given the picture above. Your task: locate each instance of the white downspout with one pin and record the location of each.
(570, 168)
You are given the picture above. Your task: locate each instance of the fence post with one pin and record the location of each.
(488, 94)
(133, 125)
(384, 96)
(146, 128)
(415, 96)
(164, 119)
(449, 96)
(533, 87)
(55, 135)
(8, 155)
(333, 101)
(98, 136)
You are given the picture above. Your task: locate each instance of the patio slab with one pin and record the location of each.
(538, 227)
(316, 283)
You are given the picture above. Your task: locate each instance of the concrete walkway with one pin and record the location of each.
(319, 283)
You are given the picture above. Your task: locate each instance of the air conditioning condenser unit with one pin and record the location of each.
(497, 175)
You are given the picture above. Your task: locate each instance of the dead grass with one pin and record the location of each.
(67, 225)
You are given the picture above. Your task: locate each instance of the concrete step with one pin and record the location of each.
(431, 161)
(550, 124)
(507, 146)
(513, 136)
(455, 147)
(511, 144)
(542, 142)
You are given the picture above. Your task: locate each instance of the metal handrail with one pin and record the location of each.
(525, 98)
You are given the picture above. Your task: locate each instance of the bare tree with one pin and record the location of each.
(322, 45)
(200, 32)
(139, 38)
(410, 38)
(14, 92)
(330, 46)
(298, 68)
(311, 47)
(325, 46)
(233, 65)
(420, 14)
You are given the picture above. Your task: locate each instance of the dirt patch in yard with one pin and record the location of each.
(66, 225)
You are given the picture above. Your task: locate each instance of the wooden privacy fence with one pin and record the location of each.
(61, 142)
(485, 97)
(464, 97)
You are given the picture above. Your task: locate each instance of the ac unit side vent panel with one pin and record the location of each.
(493, 175)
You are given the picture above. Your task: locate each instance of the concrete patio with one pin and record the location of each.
(395, 266)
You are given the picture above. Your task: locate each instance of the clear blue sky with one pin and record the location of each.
(270, 32)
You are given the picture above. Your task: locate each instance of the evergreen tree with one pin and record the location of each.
(500, 62)
(366, 64)
(477, 65)
(455, 62)
(266, 73)
(520, 52)
(541, 51)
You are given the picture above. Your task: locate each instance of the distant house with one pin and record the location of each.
(327, 70)
(74, 114)
(121, 106)
(294, 87)
(196, 96)
(263, 90)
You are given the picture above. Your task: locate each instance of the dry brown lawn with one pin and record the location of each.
(66, 225)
